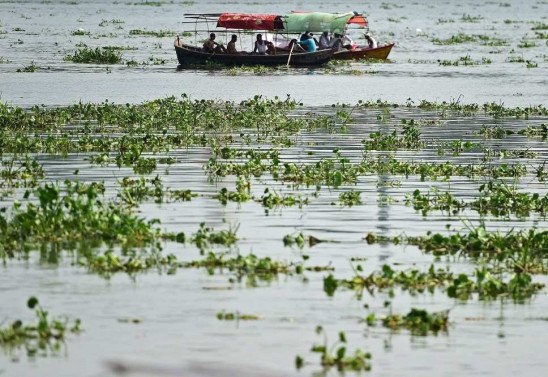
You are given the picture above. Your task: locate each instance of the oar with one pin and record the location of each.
(290, 52)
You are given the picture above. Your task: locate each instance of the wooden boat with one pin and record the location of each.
(293, 23)
(380, 53)
(190, 55)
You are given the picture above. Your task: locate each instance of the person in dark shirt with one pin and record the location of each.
(211, 46)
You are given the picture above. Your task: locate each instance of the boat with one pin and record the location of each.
(237, 22)
(191, 55)
(380, 53)
(284, 53)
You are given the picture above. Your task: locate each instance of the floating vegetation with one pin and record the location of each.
(68, 215)
(112, 21)
(152, 33)
(484, 284)
(497, 199)
(206, 237)
(467, 38)
(236, 316)
(418, 321)
(526, 44)
(465, 60)
(250, 266)
(29, 68)
(335, 355)
(95, 56)
(469, 18)
(540, 26)
(80, 32)
(413, 281)
(43, 338)
(350, 198)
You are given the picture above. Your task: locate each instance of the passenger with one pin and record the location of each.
(211, 46)
(231, 46)
(348, 43)
(371, 42)
(324, 41)
(336, 42)
(308, 44)
(261, 45)
(304, 36)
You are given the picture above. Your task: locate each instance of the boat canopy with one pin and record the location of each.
(247, 21)
(318, 22)
(296, 22)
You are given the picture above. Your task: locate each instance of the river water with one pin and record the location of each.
(178, 332)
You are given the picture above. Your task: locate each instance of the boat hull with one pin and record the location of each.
(190, 55)
(380, 53)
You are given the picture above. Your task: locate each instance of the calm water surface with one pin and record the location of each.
(179, 329)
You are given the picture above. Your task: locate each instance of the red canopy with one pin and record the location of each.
(358, 20)
(249, 21)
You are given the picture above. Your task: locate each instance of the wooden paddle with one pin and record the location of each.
(290, 52)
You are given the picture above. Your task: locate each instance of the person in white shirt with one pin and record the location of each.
(371, 42)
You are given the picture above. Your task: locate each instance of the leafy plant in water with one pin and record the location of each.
(418, 321)
(236, 316)
(205, 237)
(45, 336)
(335, 355)
(78, 215)
(96, 56)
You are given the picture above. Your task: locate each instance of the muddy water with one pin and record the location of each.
(178, 327)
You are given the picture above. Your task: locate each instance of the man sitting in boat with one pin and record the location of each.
(262, 46)
(348, 43)
(231, 46)
(371, 42)
(308, 44)
(336, 42)
(211, 46)
(324, 41)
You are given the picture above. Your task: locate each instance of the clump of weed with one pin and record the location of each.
(418, 321)
(44, 337)
(335, 355)
(95, 56)
(236, 316)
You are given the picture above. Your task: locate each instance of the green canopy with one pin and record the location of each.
(316, 22)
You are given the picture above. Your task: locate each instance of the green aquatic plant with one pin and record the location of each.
(44, 337)
(335, 355)
(134, 191)
(95, 56)
(152, 33)
(80, 32)
(236, 316)
(489, 287)
(455, 39)
(250, 266)
(464, 61)
(500, 199)
(71, 214)
(242, 193)
(20, 172)
(418, 321)
(522, 251)
(109, 263)
(350, 198)
(493, 131)
(413, 281)
(434, 201)
(29, 68)
(206, 237)
(272, 199)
